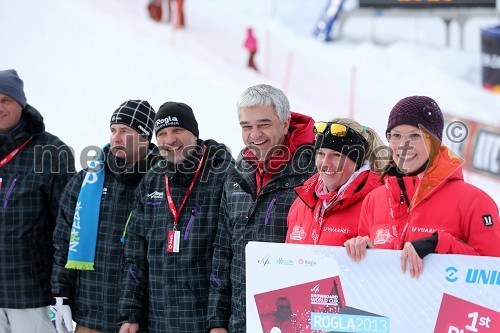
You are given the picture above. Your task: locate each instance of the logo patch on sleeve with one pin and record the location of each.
(488, 220)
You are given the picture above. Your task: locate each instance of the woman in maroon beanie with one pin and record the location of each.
(424, 206)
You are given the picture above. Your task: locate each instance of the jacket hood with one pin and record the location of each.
(33, 120)
(301, 131)
(30, 124)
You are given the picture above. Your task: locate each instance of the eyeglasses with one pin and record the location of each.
(323, 127)
(397, 137)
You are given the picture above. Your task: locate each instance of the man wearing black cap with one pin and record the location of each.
(170, 236)
(34, 168)
(88, 263)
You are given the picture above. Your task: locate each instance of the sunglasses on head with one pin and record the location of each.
(335, 129)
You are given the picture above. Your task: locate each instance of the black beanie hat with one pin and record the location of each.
(176, 114)
(137, 114)
(417, 110)
(352, 144)
(12, 85)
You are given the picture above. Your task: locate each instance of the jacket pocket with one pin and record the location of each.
(10, 188)
(271, 206)
(191, 220)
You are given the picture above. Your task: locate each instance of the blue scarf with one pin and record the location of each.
(83, 238)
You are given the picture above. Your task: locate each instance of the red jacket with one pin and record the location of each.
(464, 217)
(309, 224)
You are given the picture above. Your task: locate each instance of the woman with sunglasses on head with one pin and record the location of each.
(328, 205)
(424, 206)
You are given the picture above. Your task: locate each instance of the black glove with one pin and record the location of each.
(425, 245)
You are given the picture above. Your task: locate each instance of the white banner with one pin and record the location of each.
(305, 288)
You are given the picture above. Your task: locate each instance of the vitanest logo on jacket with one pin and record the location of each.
(154, 198)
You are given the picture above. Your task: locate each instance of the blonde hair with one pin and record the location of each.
(378, 154)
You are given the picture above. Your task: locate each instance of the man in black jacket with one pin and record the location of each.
(169, 240)
(88, 263)
(34, 168)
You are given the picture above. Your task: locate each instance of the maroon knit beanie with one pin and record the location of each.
(417, 110)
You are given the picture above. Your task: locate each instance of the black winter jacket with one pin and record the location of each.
(32, 183)
(94, 295)
(246, 217)
(178, 283)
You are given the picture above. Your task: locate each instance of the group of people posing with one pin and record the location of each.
(151, 238)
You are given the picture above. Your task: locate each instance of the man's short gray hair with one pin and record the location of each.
(265, 95)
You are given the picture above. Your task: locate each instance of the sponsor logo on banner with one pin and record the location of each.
(474, 276)
(306, 262)
(316, 306)
(289, 309)
(284, 261)
(452, 274)
(265, 260)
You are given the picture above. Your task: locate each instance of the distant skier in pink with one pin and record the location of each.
(251, 46)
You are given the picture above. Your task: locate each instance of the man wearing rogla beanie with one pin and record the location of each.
(425, 206)
(170, 236)
(88, 263)
(34, 168)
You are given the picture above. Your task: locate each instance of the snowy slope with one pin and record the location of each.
(81, 59)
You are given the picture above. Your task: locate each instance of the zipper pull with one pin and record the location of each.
(401, 199)
(0, 183)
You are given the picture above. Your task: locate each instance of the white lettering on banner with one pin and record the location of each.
(491, 60)
(483, 321)
(455, 293)
(487, 152)
(321, 299)
(349, 323)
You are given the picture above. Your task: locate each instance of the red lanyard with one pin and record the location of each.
(177, 213)
(13, 153)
